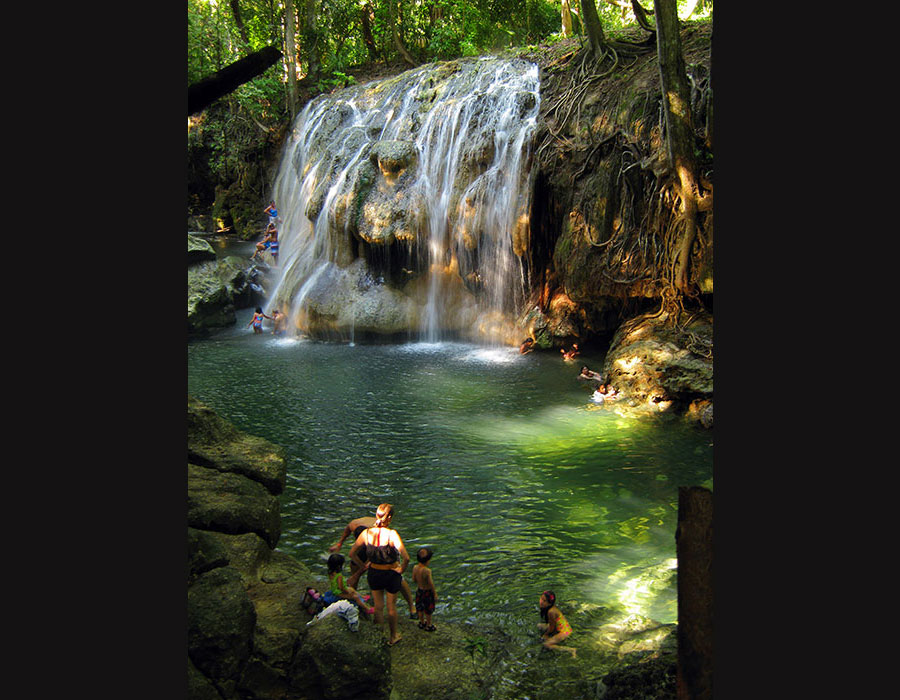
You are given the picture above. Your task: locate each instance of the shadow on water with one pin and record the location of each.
(496, 460)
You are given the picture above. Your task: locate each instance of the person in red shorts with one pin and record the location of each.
(426, 593)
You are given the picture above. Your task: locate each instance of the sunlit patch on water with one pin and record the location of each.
(492, 355)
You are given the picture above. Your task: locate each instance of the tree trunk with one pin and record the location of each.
(367, 17)
(239, 21)
(290, 58)
(395, 31)
(591, 21)
(311, 39)
(203, 93)
(566, 19)
(694, 549)
(676, 98)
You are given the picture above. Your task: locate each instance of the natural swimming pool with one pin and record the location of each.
(496, 460)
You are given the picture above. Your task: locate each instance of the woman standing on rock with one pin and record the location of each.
(387, 560)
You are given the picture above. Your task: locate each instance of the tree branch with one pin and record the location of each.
(203, 93)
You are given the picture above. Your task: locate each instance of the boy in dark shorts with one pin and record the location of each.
(426, 594)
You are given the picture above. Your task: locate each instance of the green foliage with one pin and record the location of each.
(475, 646)
(335, 80)
(434, 30)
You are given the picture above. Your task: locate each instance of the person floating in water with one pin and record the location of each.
(426, 593)
(526, 346)
(257, 320)
(554, 628)
(590, 374)
(570, 354)
(272, 212)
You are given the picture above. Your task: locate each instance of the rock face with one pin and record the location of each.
(217, 287)
(662, 363)
(246, 628)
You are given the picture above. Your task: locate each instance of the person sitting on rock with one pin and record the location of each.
(340, 590)
(268, 242)
(526, 346)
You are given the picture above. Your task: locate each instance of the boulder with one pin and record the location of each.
(221, 620)
(659, 362)
(199, 250)
(334, 663)
(217, 287)
(214, 443)
(231, 503)
(209, 304)
(205, 553)
(248, 553)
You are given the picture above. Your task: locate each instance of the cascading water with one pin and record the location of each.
(405, 204)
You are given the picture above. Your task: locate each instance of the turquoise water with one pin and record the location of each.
(496, 460)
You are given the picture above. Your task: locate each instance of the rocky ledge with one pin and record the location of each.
(248, 636)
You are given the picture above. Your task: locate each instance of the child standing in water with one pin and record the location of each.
(339, 590)
(257, 320)
(554, 628)
(426, 594)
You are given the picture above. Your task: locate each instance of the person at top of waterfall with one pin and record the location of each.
(272, 212)
(426, 593)
(527, 345)
(386, 560)
(279, 322)
(570, 354)
(355, 527)
(257, 320)
(554, 628)
(339, 590)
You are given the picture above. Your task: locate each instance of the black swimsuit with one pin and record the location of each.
(383, 579)
(381, 553)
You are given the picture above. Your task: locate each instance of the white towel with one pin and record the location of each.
(345, 609)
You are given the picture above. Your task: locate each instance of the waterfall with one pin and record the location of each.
(405, 204)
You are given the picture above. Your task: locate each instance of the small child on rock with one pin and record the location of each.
(340, 590)
(426, 594)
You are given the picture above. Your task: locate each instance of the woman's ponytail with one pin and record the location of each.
(384, 513)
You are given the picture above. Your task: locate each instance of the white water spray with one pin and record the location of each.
(424, 179)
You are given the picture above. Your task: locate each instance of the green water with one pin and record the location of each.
(496, 460)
